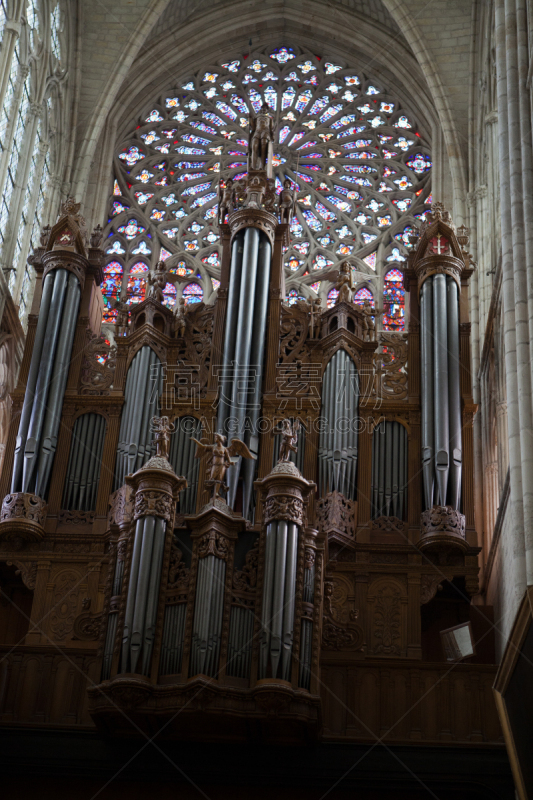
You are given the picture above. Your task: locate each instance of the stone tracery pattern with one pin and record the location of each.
(353, 154)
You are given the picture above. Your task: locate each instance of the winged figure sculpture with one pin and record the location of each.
(222, 458)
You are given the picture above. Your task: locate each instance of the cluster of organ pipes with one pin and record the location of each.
(84, 463)
(243, 352)
(277, 618)
(41, 413)
(143, 594)
(141, 400)
(441, 391)
(337, 448)
(389, 470)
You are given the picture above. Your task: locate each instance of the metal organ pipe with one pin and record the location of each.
(43, 380)
(181, 456)
(337, 451)
(243, 354)
(230, 334)
(144, 384)
(389, 470)
(143, 595)
(257, 353)
(426, 348)
(442, 423)
(441, 392)
(58, 384)
(277, 614)
(454, 392)
(32, 380)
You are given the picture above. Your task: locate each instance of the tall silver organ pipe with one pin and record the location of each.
(84, 462)
(144, 385)
(181, 456)
(277, 616)
(143, 594)
(337, 447)
(243, 353)
(47, 377)
(441, 396)
(207, 622)
(389, 470)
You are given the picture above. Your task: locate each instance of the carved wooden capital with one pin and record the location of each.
(63, 259)
(154, 503)
(22, 517)
(288, 507)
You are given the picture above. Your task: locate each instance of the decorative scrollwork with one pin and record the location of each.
(21, 505)
(87, 626)
(293, 332)
(77, 517)
(443, 519)
(390, 365)
(98, 368)
(27, 571)
(428, 587)
(213, 543)
(336, 514)
(121, 507)
(194, 353)
(245, 580)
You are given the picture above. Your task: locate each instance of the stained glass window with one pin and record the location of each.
(193, 293)
(363, 294)
(353, 153)
(332, 297)
(393, 301)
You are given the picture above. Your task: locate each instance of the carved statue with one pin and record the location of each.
(315, 311)
(289, 439)
(226, 200)
(255, 191)
(222, 459)
(96, 237)
(162, 429)
(369, 323)
(287, 200)
(261, 139)
(156, 282)
(345, 283)
(179, 317)
(122, 317)
(45, 235)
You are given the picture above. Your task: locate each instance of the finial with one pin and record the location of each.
(45, 235)
(70, 207)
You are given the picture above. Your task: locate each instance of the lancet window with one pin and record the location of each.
(31, 109)
(357, 158)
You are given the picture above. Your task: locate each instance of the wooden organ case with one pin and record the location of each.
(298, 606)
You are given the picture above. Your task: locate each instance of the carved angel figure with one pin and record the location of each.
(261, 137)
(179, 317)
(162, 429)
(287, 199)
(289, 439)
(345, 283)
(226, 200)
(369, 322)
(156, 282)
(223, 458)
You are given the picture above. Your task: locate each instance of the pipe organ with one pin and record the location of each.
(263, 495)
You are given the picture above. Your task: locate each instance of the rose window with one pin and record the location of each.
(354, 154)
